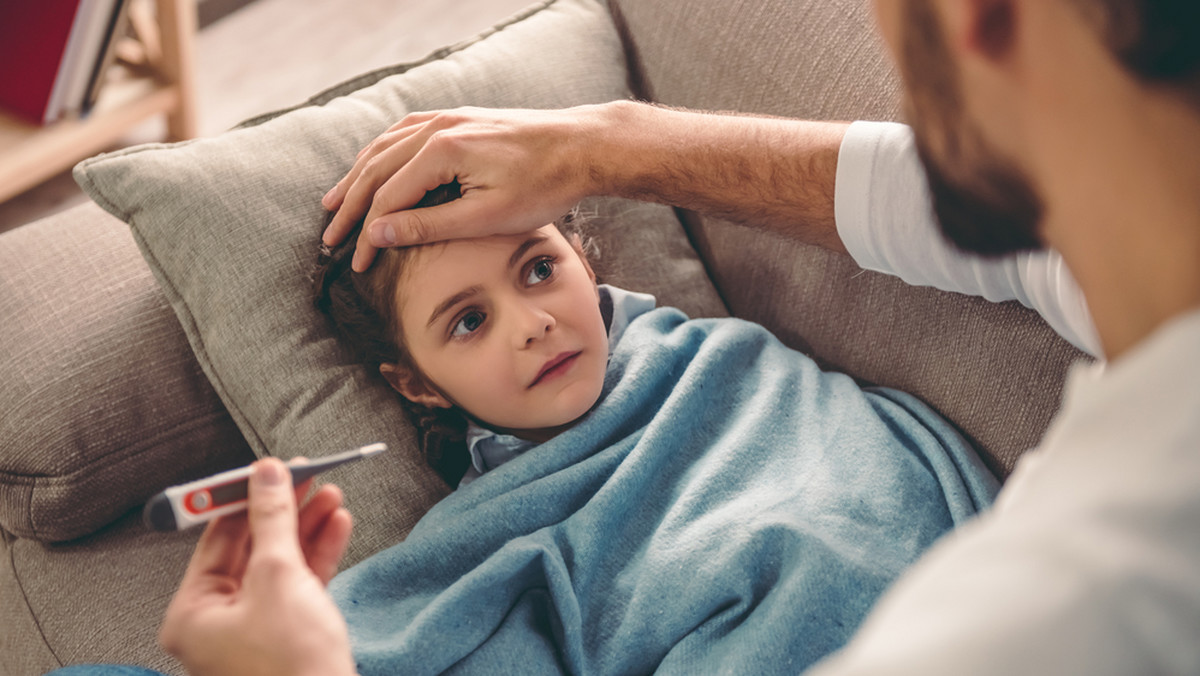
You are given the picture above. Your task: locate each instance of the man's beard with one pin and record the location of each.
(983, 204)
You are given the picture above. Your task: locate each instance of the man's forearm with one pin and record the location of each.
(765, 172)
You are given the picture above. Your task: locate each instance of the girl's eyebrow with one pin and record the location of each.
(452, 301)
(459, 297)
(534, 240)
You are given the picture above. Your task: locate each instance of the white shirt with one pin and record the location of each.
(1089, 562)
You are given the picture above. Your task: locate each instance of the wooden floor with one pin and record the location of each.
(276, 53)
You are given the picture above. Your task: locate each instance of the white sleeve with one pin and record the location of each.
(885, 218)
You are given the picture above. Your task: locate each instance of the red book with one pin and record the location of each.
(33, 38)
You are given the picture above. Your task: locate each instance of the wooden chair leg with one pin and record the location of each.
(143, 22)
(177, 21)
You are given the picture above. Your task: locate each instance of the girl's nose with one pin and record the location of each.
(535, 323)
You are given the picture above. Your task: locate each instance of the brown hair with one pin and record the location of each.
(361, 310)
(1157, 40)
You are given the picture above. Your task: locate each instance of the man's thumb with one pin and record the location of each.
(272, 509)
(453, 220)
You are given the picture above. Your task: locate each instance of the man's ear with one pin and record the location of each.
(988, 27)
(413, 386)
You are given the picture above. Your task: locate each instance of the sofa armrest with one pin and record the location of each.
(100, 598)
(104, 402)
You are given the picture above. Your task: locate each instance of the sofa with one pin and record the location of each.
(165, 331)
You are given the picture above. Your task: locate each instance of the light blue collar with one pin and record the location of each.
(626, 306)
(490, 449)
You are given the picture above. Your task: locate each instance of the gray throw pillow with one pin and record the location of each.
(230, 226)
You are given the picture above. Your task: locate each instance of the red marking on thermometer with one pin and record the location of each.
(201, 501)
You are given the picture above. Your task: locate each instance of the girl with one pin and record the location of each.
(640, 492)
(478, 355)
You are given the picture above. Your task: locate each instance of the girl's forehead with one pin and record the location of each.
(462, 252)
(431, 270)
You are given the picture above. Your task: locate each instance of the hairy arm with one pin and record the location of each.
(520, 169)
(765, 172)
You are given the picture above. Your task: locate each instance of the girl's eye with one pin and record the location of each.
(469, 323)
(540, 271)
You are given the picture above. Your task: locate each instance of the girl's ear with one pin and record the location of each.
(413, 386)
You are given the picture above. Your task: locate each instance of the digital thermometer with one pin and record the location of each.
(198, 502)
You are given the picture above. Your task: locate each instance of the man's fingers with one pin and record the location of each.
(350, 206)
(324, 531)
(364, 255)
(328, 544)
(396, 133)
(405, 182)
(352, 197)
(375, 166)
(463, 217)
(337, 194)
(224, 547)
(327, 499)
(221, 551)
(401, 191)
(416, 226)
(412, 119)
(272, 511)
(338, 228)
(378, 169)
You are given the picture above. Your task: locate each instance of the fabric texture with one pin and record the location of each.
(230, 226)
(753, 507)
(995, 369)
(120, 580)
(1100, 578)
(103, 400)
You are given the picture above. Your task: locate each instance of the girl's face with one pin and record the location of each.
(508, 328)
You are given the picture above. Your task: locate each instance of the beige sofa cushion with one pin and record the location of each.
(101, 395)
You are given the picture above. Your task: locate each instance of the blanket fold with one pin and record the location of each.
(727, 507)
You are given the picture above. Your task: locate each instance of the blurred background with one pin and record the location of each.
(253, 56)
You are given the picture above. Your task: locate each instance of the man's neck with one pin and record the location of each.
(1121, 178)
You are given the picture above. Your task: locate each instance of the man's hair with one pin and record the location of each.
(361, 308)
(1157, 40)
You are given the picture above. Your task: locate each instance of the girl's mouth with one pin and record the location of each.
(557, 366)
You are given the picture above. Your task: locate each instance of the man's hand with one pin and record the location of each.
(521, 169)
(253, 599)
(518, 170)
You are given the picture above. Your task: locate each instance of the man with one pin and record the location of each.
(1067, 124)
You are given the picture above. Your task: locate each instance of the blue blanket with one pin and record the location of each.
(727, 507)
